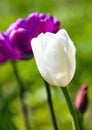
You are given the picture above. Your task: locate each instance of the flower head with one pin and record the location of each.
(6, 52)
(55, 57)
(22, 31)
(81, 99)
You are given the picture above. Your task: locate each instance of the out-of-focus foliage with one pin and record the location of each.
(6, 114)
(76, 18)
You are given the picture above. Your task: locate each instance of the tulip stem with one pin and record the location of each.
(51, 106)
(80, 117)
(77, 125)
(21, 95)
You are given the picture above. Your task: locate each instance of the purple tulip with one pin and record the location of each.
(22, 31)
(6, 52)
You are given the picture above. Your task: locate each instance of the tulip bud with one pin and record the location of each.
(55, 57)
(81, 100)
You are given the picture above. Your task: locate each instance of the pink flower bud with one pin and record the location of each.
(81, 99)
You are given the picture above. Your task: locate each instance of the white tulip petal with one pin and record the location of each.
(55, 57)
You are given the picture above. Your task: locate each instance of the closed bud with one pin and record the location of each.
(55, 57)
(81, 100)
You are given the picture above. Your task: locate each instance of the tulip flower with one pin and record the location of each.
(22, 31)
(81, 99)
(6, 52)
(55, 57)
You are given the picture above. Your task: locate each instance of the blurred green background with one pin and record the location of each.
(76, 18)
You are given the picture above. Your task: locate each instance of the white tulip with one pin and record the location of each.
(55, 57)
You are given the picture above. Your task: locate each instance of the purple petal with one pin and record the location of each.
(43, 27)
(43, 17)
(56, 24)
(32, 22)
(20, 23)
(6, 52)
(20, 42)
(2, 42)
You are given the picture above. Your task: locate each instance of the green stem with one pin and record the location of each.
(21, 95)
(51, 106)
(77, 125)
(80, 117)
